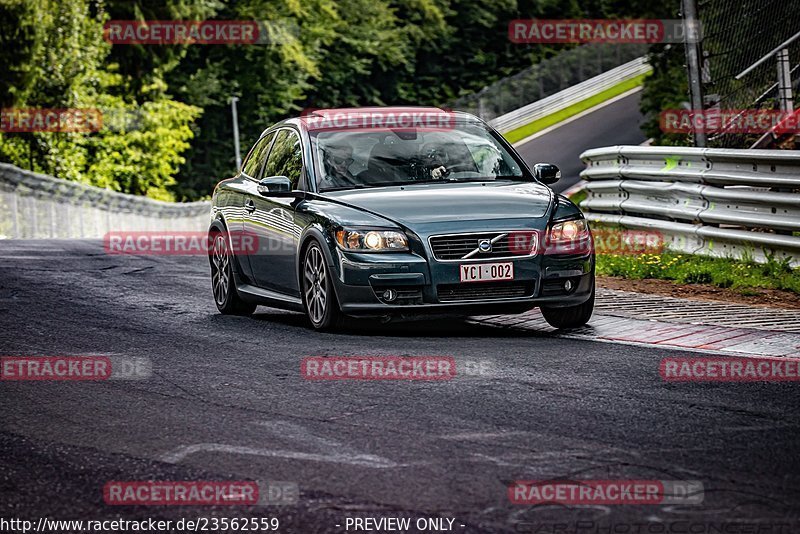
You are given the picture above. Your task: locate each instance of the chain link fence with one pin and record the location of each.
(736, 34)
(567, 68)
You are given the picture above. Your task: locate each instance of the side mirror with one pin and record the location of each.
(546, 173)
(275, 186)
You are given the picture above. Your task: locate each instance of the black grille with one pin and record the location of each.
(455, 247)
(483, 291)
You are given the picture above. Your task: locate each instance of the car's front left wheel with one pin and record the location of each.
(319, 299)
(222, 280)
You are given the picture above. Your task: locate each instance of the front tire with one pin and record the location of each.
(222, 280)
(570, 316)
(319, 299)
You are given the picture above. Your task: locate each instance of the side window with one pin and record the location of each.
(286, 157)
(255, 159)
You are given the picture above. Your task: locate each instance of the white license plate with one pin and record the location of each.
(485, 272)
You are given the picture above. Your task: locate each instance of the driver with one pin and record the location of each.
(337, 160)
(436, 159)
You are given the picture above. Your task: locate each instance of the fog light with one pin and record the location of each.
(568, 286)
(389, 295)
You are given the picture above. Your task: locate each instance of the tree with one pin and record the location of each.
(58, 60)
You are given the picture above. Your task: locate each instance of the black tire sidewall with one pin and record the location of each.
(571, 316)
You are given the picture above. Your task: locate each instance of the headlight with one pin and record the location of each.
(568, 231)
(371, 240)
(569, 237)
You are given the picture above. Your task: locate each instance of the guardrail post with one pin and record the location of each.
(692, 44)
(784, 82)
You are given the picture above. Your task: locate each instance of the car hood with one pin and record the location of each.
(432, 204)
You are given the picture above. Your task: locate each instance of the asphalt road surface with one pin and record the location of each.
(615, 123)
(227, 402)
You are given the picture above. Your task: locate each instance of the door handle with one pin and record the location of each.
(249, 206)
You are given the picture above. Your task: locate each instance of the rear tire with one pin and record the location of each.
(570, 316)
(319, 299)
(223, 282)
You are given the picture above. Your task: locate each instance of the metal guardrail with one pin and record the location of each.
(37, 206)
(559, 72)
(572, 95)
(718, 202)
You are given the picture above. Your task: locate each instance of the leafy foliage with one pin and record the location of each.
(174, 140)
(58, 59)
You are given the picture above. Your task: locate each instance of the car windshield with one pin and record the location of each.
(374, 157)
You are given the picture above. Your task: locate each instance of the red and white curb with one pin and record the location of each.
(652, 333)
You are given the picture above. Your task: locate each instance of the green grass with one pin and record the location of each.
(742, 275)
(545, 122)
(579, 196)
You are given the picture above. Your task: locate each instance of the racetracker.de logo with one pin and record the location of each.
(187, 493)
(200, 493)
(196, 32)
(729, 369)
(74, 368)
(179, 243)
(376, 118)
(67, 120)
(564, 239)
(378, 368)
(733, 121)
(606, 492)
(626, 31)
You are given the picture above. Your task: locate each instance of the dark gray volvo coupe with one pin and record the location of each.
(393, 212)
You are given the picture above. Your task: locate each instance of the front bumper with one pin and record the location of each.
(420, 285)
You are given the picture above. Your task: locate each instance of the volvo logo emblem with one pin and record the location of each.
(485, 245)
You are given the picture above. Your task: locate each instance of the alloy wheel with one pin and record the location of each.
(221, 275)
(316, 285)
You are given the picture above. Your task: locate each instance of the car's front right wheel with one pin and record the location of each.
(569, 316)
(319, 300)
